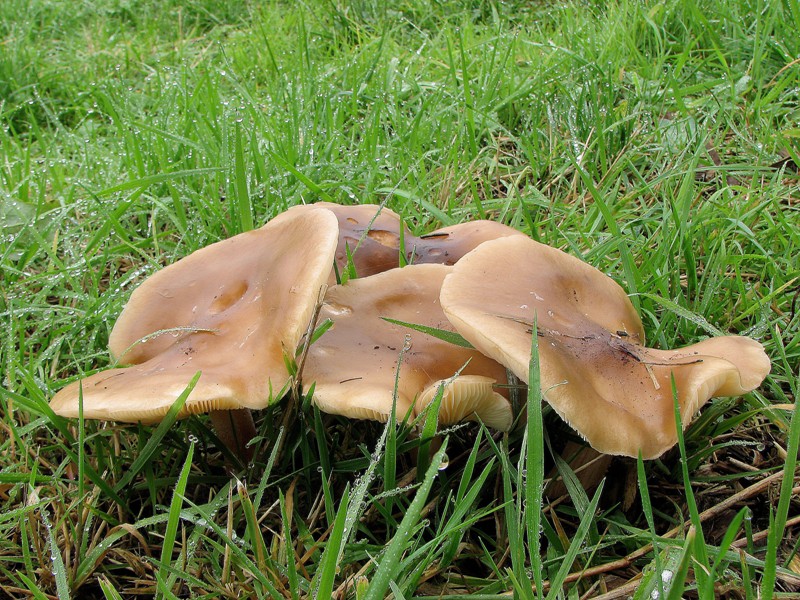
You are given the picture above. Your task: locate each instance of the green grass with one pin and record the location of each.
(658, 141)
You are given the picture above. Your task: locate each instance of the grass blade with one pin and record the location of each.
(429, 429)
(684, 313)
(787, 484)
(533, 472)
(154, 442)
(699, 553)
(450, 337)
(329, 563)
(33, 588)
(175, 514)
(514, 516)
(254, 533)
(658, 577)
(108, 590)
(59, 570)
(288, 545)
(647, 509)
(244, 209)
(575, 546)
(390, 564)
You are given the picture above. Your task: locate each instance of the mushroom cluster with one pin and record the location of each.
(237, 312)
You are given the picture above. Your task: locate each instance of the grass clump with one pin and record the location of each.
(657, 141)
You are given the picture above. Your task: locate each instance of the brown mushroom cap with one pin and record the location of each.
(372, 234)
(594, 370)
(354, 364)
(447, 245)
(230, 310)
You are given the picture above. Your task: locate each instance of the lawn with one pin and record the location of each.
(657, 141)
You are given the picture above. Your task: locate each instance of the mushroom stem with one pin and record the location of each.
(235, 428)
(588, 465)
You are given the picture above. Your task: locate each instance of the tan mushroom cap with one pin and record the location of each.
(230, 310)
(594, 370)
(354, 363)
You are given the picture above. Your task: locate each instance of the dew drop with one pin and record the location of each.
(338, 309)
(445, 462)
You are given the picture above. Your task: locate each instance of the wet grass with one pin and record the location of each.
(658, 142)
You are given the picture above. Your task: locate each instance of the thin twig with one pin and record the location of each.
(312, 324)
(624, 591)
(297, 384)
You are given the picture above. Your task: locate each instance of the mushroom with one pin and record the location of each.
(354, 364)
(595, 371)
(587, 464)
(371, 233)
(232, 311)
(447, 245)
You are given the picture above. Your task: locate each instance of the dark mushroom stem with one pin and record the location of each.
(588, 465)
(235, 429)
